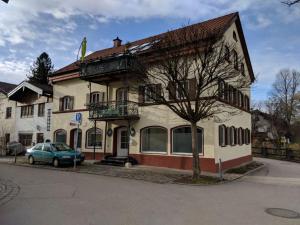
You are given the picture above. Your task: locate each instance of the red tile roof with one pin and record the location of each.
(220, 23)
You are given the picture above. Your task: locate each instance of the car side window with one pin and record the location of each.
(47, 148)
(38, 147)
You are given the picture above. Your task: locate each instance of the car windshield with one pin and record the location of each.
(61, 147)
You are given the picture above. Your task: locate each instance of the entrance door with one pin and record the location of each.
(122, 150)
(73, 135)
(122, 97)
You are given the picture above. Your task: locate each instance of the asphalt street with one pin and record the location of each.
(47, 197)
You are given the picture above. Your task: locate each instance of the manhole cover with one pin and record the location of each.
(285, 213)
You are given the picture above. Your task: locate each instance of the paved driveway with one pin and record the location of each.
(49, 197)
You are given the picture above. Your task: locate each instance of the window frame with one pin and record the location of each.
(63, 130)
(153, 152)
(27, 111)
(186, 88)
(8, 113)
(87, 138)
(183, 153)
(41, 109)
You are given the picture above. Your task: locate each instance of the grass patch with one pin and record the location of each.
(245, 168)
(201, 180)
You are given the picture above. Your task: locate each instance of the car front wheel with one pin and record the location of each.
(56, 162)
(31, 160)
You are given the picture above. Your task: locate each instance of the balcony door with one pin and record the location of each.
(122, 98)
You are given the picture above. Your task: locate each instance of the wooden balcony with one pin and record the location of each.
(108, 69)
(113, 110)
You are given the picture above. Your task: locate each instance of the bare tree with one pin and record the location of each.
(283, 101)
(188, 72)
(290, 3)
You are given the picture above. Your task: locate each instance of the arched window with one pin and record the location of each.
(182, 139)
(240, 136)
(154, 139)
(234, 36)
(226, 53)
(247, 136)
(60, 136)
(222, 135)
(93, 138)
(243, 69)
(232, 134)
(235, 60)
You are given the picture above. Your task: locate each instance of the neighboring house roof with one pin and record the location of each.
(6, 87)
(40, 89)
(219, 24)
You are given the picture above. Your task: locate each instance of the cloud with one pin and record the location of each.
(13, 71)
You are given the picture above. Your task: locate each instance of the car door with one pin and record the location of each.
(47, 153)
(37, 152)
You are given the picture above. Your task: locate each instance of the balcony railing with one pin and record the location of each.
(108, 68)
(113, 110)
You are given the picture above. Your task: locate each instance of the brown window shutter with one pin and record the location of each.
(61, 104)
(158, 92)
(72, 102)
(88, 99)
(192, 88)
(141, 94)
(220, 135)
(172, 90)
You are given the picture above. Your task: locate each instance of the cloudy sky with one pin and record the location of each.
(27, 28)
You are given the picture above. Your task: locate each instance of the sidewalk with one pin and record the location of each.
(140, 172)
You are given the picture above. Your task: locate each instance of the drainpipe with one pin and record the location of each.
(106, 123)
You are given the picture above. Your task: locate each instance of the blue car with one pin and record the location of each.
(54, 153)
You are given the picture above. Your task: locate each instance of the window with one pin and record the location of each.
(8, 112)
(246, 103)
(27, 111)
(38, 147)
(235, 60)
(247, 136)
(240, 136)
(182, 140)
(25, 139)
(243, 69)
(182, 90)
(66, 103)
(154, 139)
(221, 89)
(232, 136)
(152, 92)
(96, 97)
(39, 137)
(227, 53)
(94, 138)
(222, 135)
(234, 36)
(7, 138)
(235, 136)
(41, 109)
(60, 136)
(240, 99)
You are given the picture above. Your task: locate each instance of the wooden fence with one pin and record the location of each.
(277, 153)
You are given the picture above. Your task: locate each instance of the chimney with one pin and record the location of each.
(117, 42)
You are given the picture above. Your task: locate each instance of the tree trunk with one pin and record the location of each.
(196, 161)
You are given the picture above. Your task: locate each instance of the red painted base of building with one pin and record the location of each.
(180, 162)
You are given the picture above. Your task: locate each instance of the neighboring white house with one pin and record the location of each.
(33, 112)
(7, 116)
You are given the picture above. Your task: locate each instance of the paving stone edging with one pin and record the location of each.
(166, 177)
